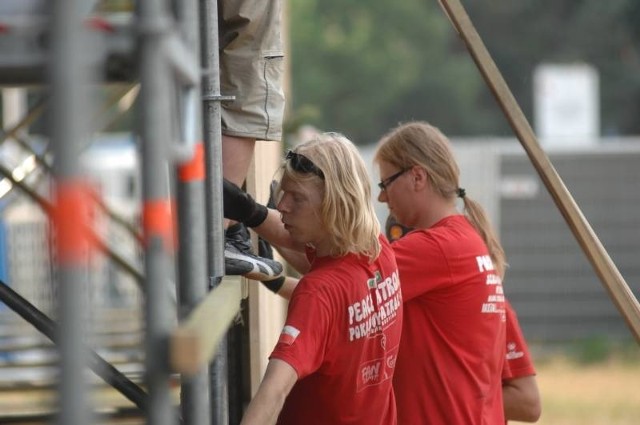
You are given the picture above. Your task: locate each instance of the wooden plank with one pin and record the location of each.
(193, 343)
(267, 311)
(604, 267)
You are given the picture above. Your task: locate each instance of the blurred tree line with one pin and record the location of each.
(362, 67)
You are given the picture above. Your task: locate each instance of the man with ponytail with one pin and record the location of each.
(452, 351)
(520, 394)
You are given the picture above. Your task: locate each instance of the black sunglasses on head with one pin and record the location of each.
(302, 164)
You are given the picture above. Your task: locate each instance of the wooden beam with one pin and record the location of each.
(193, 344)
(267, 311)
(604, 267)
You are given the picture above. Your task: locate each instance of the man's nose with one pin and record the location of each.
(282, 205)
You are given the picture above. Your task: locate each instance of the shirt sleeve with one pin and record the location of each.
(304, 337)
(518, 361)
(422, 265)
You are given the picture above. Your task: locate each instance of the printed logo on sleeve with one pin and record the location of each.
(288, 335)
(512, 354)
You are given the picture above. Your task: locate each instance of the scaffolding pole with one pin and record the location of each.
(156, 88)
(170, 81)
(211, 98)
(69, 75)
(192, 287)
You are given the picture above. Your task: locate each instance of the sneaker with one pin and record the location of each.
(239, 260)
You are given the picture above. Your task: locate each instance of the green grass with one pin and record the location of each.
(592, 382)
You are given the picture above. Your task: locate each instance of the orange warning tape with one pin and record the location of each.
(72, 216)
(193, 170)
(157, 220)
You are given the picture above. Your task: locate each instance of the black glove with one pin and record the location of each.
(240, 206)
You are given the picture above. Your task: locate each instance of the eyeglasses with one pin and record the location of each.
(386, 182)
(302, 164)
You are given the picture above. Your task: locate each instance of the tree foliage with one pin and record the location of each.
(359, 67)
(522, 34)
(362, 67)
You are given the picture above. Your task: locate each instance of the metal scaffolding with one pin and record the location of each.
(170, 49)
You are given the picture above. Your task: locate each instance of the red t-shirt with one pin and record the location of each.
(518, 362)
(452, 350)
(341, 335)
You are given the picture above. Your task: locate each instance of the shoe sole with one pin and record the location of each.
(251, 267)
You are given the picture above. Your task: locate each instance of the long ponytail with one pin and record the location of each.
(419, 143)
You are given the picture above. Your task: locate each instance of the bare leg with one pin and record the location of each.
(237, 153)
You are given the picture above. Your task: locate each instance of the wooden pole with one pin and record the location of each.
(604, 267)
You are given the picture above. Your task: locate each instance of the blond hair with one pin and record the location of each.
(421, 144)
(346, 211)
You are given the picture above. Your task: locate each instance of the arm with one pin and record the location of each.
(296, 259)
(521, 399)
(272, 229)
(266, 405)
(287, 287)
(240, 206)
(283, 286)
(519, 386)
(266, 222)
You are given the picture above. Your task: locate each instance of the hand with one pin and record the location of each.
(240, 206)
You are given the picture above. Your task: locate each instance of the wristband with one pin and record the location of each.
(274, 285)
(258, 217)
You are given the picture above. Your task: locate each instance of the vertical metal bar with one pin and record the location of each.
(213, 191)
(238, 362)
(192, 288)
(69, 78)
(212, 135)
(155, 109)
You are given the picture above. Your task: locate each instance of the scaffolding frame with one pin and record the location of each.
(176, 48)
(178, 69)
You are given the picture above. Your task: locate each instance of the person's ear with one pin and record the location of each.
(419, 176)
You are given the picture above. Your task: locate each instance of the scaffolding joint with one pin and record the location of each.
(218, 97)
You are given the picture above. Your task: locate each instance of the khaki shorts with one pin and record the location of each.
(252, 68)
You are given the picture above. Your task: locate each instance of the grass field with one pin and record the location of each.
(593, 384)
(598, 391)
